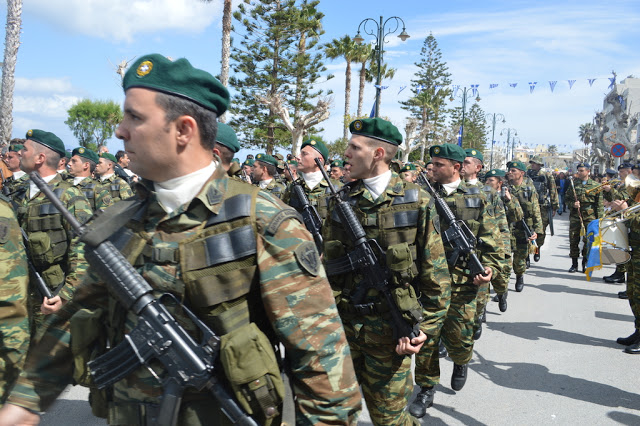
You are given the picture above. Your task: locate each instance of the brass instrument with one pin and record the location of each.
(625, 214)
(599, 188)
(632, 184)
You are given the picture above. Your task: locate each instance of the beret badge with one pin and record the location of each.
(436, 150)
(357, 125)
(81, 150)
(144, 68)
(30, 133)
(312, 142)
(474, 152)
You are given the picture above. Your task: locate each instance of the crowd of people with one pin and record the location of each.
(352, 265)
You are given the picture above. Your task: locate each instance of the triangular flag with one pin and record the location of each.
(419, 89)
(380, 87)
(455, 89)
(513, 84)
(532, 85)
(591, 80)
(571, 83)
(401, 89)
(373, 110)
(552, 84)
(436, 88)
(493, 86)
(474, 89)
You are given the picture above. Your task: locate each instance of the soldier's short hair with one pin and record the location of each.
(226, 155)
(120, 154)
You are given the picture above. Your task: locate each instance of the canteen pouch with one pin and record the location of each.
(403, 271)
(251, 368)
(41, 249)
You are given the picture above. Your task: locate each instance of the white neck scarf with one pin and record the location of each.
(377, 185)
(33, 188)
(17, 175)
(312, 179)
(105, 177)
(450, 187)
(78, 179)
(175, 192)
(264, 183)
(473, 181)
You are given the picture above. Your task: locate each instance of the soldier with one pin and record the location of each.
(117, 186)
(408, 173)
(225, 147)
(618, 191)
(428, 170)
(291, 173)
(62, 165)
(469, 204)
(472, 165)
(12, 160)
(247, 169)
(14, 278)
(496, 179)
(337, 170)
(81, 167)
(236, 255)
(523, 189)
(584, 207)
(53, 252)
(402, 219)
(263, 171)
(123, 162)
(347, 173)
(545, 185)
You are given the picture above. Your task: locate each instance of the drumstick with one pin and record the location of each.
(582, 230)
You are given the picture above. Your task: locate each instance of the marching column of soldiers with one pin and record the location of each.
(351, 266)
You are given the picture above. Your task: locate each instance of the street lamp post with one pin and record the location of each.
(515, 133)
(380, 36)
(494, 117)
(464, 96)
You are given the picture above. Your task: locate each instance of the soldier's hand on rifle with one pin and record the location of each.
(533, 236)
(50, 306)
(576, 204)
(481, 279)
(14, 415)
(410, 347)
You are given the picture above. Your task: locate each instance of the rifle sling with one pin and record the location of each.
(107, 223)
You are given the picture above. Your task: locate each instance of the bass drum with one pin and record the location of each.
(615, 241)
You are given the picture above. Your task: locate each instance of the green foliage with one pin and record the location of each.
(337, 148)
(475, 127)
(93, 122)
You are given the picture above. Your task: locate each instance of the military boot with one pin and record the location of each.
(478, 327)
(528, 262)
(536, 256)
(502, 302)
(424, 400)
(584, 264)
(633, 349)
(630, 340)
(442, 350)
(459, 376)
(623, 295)
(574, 265)
(519, 283)
(616, 277)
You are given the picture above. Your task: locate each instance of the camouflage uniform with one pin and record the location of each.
(99, 197)
(270, 282)
(545, 185)
(457, 332)
(514, 214)
(403, 216)
(318, 196)
(591, 208)
(633, 281)
(14, 278)
(14, 184)
(53, 250)
(528, 198)
(276, 188)
(118, 188)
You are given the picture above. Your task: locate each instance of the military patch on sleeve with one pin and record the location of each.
(307, 257)
(5, 227)
(280, 217)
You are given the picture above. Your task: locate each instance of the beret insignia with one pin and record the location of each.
(474, 152)
(144, 68)
(259, 156)
(81, 150)
(30, 133)
(312, 142)
(357, 125)
(436, 150)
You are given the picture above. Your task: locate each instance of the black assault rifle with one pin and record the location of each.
(458, 236)
(369, 260)
(157, 335)
(310, 215)
(527, 231)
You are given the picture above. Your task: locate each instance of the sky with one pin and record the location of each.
(70, 49)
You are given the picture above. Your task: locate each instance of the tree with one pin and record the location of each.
(585, 132)
(226, 46)
(552, 149)
(475, 127)
(345, 48)
(362, 56)
(11, 44)
(337, 148)
(93, 122)
(371, 75)
(428, 103)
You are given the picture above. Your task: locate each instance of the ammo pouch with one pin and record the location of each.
(41, 250)
(402, 266)
(251, 368)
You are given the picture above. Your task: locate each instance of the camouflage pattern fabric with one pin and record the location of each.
(457, 331)
(385, 376)
(275, 188)
(14, 278)
(289, 298)
(591, 207)
(318, 196)
(633, 268)
(124, 191)
(619, 192)
(99, 197)
(514, 214)
(528, 199)
(544, 201)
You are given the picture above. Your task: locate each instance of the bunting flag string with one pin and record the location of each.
(380, 87)
(455, 87)
(513, 85)
(532, 85)
(493, 86)
(613, 82)
(474, 89)
(419, 89)
(591, 80)
(571, 83)
(552, 84)
(401, 89)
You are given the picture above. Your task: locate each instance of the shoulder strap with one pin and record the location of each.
(113, 218)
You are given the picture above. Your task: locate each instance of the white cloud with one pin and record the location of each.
(122, 20)
(43, 85)
(41, 106)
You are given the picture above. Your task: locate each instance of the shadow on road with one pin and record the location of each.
(614, 317)
(559, 288)
(541, 330)
(59, 414)
(535, 377)
(624, 418)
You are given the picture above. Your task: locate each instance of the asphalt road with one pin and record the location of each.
(550, 359)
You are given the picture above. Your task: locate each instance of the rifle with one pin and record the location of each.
(550, 213)
(310, 215)
(372, 267)
(583, 231)
(527, 231)
(157, 335)
(458, 236)
(41, 286)
(5, 188)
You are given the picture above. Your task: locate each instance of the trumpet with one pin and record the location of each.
(599, 188)
(625, 214)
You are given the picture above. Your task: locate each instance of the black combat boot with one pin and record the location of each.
(574, 265)
(459, 376)
(616, 277)
(424, 400)
(442, 350)
(536, 257)
(584, 264)
(519, 283)
(478, 327)
(502, 302)
(528, 262)
(630, 340)
(633, 349)
(623, 295)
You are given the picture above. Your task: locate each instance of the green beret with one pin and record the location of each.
(16, 148)
(537, 159)
(292, 162)
(449, 151)
(318, 146)
(337, 163)
(85, 153)
(496, 173)
(267, 159)
(517, 165)
(227, 137)
(472, 152)
(376, 128)
(585, 165)
(408, 168)
(47, 139)
(68, 155)
(108, 156)
(236, 160)
(179, 78)
(248, 162)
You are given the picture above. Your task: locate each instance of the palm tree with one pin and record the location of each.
(372, 73)
(362, 56)
(345, 48)
(586, 133)
(11, 44)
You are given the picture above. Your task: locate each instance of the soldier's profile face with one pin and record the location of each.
(444, 170)
(12, 160)
(583, 173)
(336, 173)
(307, 162)
(27, 160)
(493, 182)
(360, 156)
(75, 166)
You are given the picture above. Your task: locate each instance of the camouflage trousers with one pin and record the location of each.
(520, 253)
(500, 283)
(15, 342)
(385, 376)
(633, 282)
(575, 228)
(545, 225)
(456, 334)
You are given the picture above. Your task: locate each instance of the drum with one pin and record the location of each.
(614, 241)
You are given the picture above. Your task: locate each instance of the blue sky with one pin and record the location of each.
(70, 49)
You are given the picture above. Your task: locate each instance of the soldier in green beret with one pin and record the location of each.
(401, 217)
(545, 184)
(247, 169)
(225, 147)
(408, 173)
(12, 161)
(81, 167)
(291, 172)
(469, 204)
(263, 172)
(337, 170)
(238, 257)
(117, 187)
(523, 189)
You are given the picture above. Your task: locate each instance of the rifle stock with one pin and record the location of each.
(310, 215)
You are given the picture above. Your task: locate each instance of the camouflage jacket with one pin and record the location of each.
(591, 205)
(99, 196)
(404, 213)
(545, 180)
(527, 196)
(618, 192)
(275, 188)
(318, 196)
(287, 293)
(500, 212)
(117, 187)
